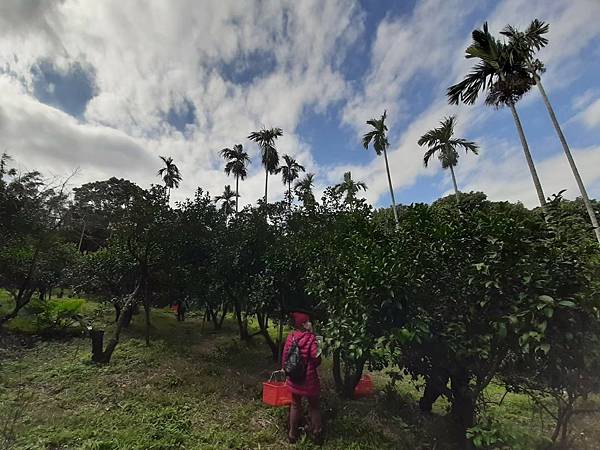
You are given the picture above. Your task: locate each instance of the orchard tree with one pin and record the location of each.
(352, 272)
(96, 210)
(32, 212)
(480, 286)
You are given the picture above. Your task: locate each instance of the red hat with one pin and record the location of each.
(299, 319)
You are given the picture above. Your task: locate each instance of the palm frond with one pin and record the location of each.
(367, 138)
(429, 153)
(467, 145)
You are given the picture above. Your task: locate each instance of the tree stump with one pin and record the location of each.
(97, 345)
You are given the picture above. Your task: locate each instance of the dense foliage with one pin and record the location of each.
(455, 296)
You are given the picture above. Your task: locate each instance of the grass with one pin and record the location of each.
(195, 388)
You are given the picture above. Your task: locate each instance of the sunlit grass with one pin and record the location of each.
(194, 387)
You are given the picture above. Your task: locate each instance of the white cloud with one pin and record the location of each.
(148, 60)
(508, 178)
(590, 116)
(43, 138)
(584, 99)
(425, 43)
(430, 42)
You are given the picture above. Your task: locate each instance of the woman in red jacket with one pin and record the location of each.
(310, 387)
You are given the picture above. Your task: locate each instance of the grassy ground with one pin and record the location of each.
(194, 388)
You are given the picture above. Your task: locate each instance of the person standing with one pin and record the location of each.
(180, 310)
(307, 385)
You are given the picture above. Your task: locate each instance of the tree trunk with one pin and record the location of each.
(240, 321)
(289, 196)
(103, 357)
(219, 322)
(463, 407)
(346, 378)
(337, 371)
(534, 175)
(387, 168)
(97, 345)
(280, 338)
(266, 187)
(436, 386)
(25, 291)
(455, 185)
(128, 313)
(147, 314)
(22, 299)
(263, 324)
(567, 150)
(237, 192)
(117, 311)
(81, 237)
(210, 315)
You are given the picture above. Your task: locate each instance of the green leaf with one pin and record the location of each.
(567, 303)
(502, 330)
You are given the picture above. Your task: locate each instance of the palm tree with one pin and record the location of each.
(524, 45)
(289, 172)
(265, 139)
(236, 159)
(227, 197)
(380, 144)
(506, 78)
(349, 187)
(170, 175)
(440, 140)
(303, 189)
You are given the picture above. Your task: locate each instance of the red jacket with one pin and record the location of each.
(307, 342)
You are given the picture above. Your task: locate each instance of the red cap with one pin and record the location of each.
(300, 319)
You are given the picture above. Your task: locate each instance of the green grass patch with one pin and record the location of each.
(195, 388)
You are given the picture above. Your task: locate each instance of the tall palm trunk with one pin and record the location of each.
(81, 237)
(534, 175)
(387, 169)
(237, 196)
(454, 183)
(565, 146)
(266, 186)
(289, 196)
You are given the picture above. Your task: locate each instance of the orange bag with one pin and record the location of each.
(364, 388)
(276, 393)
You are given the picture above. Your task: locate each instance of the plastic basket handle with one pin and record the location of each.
(276, 372)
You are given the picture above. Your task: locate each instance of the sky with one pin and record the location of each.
(104, 88)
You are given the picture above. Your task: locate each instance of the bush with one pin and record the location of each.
(57, 314)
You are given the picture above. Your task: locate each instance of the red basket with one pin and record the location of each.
(364, 388)
(276, 393)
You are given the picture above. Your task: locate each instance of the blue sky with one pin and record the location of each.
(106, 87)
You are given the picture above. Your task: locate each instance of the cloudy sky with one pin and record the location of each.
(107, 86)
